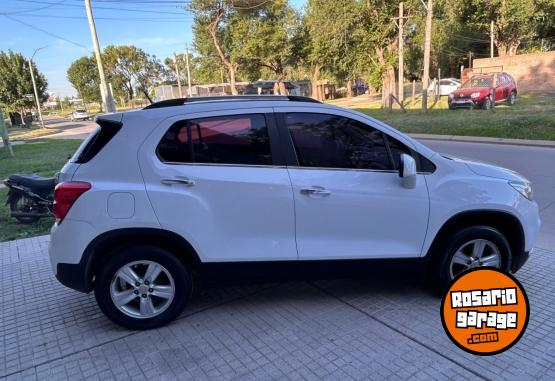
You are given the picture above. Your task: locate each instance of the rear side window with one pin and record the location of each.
(91, 147)
(234, 139)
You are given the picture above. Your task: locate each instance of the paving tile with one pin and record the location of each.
(340, 329)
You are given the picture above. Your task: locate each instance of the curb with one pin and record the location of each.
(480, 139)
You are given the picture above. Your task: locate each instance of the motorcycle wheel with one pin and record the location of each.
(26, 205)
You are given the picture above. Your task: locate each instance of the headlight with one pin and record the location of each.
(475, 95)
(451, 96)
(524, 188)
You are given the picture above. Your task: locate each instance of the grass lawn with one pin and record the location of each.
(532, 117)
(43, 157)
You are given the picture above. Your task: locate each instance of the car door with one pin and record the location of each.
(499, 87)
(217, 180)
(349, 201)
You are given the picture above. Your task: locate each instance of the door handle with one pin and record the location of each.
(315, 191)
(178, 180)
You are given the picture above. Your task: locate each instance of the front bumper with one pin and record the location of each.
(519, 261)
(464, 103)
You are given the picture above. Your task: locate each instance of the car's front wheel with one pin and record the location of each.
(142, 287)
(487, 104)
(472, 247)
(511, 99)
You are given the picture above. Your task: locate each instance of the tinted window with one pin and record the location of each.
(330, 141)
(236, 139)
(100, 137)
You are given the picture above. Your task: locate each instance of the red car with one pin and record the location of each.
(484, 90)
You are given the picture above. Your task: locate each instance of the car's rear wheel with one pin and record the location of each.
(472, 247)
(142, 287)
(511, 99)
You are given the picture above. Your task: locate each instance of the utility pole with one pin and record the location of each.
(188, 70)
(107, 99)
(4, 134)
(491, 40)
(37, 100)
(177, 75)
(427, 46)
(401, 93)
(470, 60)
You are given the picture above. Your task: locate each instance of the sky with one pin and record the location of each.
(159, 27)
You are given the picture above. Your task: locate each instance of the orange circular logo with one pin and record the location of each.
(485, 311)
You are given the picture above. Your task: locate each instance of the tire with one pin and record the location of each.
(173, 278)
(511, 99)
(487, 104)
(446, 265)
(22, 203)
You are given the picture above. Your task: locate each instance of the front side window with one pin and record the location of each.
(234, 139)
(331, 141)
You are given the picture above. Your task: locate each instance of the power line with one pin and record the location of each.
(44, 31)
(100, 7)
(107, 18)
(50, 5)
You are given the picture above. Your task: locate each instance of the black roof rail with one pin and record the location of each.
(182, 101)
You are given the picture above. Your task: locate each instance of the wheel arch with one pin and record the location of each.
(100, 248)
(508, 224)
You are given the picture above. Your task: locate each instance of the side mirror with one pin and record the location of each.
(407, 171)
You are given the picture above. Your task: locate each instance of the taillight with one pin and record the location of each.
(65, 195)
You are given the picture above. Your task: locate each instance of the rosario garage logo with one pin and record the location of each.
(485, 311)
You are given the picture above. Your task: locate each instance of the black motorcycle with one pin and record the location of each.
(30, 197)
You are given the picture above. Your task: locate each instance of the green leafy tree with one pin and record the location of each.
(131, 68)
(83, 76)
(212, 28)
(268, 33)
(336, 32)
(514, 20)
(16, 85)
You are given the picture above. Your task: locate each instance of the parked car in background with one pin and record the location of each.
(446, 86)
(267, 186)
(484, 90)
(79, 114)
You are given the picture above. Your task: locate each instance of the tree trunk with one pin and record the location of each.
(314, 81)
(231, 67)
(349, 88)
(145, 92)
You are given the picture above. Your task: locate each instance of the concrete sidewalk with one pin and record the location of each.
(386, 326)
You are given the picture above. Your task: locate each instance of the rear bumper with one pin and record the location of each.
(73, 276)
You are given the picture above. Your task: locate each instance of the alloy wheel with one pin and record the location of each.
(142, 289)
(475, 253)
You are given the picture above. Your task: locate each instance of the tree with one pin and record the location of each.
(212, 28)
(514, 20)
(132, 68)
(272, 29)
(16, 86)
(83, 76)
(335, 31)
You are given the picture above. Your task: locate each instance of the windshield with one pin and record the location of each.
(477, 82)
(80, 110)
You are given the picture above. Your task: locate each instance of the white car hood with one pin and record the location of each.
(489, 170)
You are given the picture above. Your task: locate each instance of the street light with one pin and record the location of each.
(37, 100)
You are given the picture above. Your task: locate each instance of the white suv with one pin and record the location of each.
(224, 187)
